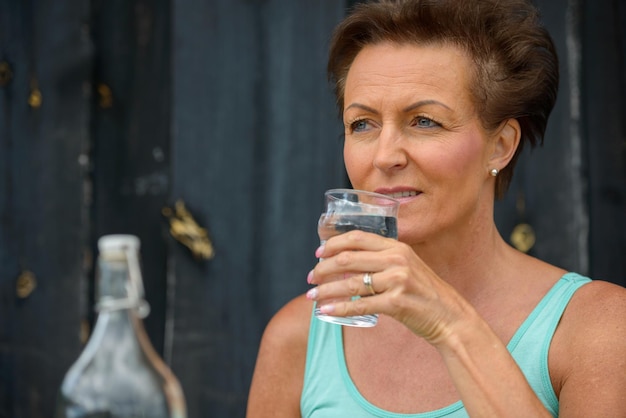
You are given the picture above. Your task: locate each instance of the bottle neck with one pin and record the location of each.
(120, 306)
(120, 286)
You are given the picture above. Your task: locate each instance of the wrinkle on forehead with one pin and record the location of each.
(401, 74)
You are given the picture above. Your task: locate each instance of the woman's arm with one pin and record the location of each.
(279, 372)
(588, 353)
(486, 376)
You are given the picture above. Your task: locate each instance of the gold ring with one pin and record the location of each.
(367, 281)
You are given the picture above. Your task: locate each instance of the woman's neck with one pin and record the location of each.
(467, 259)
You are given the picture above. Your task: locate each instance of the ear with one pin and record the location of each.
(505, 144)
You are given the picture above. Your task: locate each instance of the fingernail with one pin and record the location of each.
(326, 309)
(312, 294)
(319, 251)
(309, 277)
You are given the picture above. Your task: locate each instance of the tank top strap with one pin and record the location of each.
(531, 343)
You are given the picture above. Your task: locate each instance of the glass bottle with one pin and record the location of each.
(119, 374)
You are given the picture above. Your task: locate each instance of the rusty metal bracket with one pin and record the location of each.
(185, 229)
(25, 285)
(6, 75)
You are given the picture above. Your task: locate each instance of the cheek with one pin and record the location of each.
(355, 162)
(465, 158)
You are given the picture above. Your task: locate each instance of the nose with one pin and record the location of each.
(390, 153)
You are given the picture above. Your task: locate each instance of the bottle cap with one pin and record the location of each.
(118, 242)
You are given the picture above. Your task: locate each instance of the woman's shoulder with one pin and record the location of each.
(279, 371)
(597, 307)
(289, 327)
(589, 345)
(597, 300)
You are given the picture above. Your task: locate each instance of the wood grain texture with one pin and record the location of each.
(44, 202)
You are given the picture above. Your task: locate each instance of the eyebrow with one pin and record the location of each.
(361, 106)
(425, 103)
(406, 109)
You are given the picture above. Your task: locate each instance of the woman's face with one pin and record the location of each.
(411, 131)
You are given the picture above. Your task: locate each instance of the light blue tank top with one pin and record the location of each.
(329, 392)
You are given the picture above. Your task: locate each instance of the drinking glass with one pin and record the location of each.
(349, 209)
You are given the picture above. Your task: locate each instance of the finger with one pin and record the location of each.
(348, 263)
(354, 241)
(315, 277)
(353, 307)
(361, 285)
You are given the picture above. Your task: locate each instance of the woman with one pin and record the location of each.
(437, 99)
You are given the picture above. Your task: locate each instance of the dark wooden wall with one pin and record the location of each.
(112, 110)
(45, 99)
(603, 120)
(255, 142)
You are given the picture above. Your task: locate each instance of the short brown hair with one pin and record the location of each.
(516, 66)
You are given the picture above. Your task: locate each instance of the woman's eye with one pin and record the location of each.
(359, 125)
(424, 122)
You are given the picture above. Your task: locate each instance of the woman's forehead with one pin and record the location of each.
(391, 68)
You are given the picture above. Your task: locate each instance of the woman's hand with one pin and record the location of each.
(405, 287)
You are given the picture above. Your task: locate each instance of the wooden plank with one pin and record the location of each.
(604, 112)
(131, 136)
(549, 182)
(255, 142)
(44, 187)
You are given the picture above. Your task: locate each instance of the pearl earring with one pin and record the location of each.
(494, 172)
